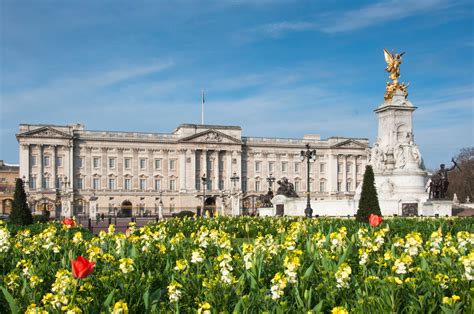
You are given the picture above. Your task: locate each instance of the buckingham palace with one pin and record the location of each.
(68, 169)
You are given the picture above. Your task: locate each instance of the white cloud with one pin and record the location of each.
(351, 20)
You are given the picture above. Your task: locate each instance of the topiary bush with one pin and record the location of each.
(369, 202)
(20, 214)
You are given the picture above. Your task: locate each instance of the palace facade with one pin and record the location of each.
(67, 168)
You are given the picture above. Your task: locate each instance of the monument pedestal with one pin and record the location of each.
(435, 207)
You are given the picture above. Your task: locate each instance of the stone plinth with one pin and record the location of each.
(437, 207)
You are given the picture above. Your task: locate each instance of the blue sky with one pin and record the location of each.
(276, 68)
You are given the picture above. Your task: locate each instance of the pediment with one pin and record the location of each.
(210, 136)
(46, 131)
(349, 144)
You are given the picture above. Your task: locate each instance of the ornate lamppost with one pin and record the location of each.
(270, 180)
(309, 155)
(234, 179)
(204, 182)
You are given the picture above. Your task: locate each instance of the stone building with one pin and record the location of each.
(70, 170)
(8, 175)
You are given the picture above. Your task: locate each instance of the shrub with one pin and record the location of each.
(184, 213)
(20, 214)
(369, 202)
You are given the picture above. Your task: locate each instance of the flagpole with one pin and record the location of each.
(202, 107)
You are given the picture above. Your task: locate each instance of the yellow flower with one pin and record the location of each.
(126, 265)
(33, 309)
(204, 308)
(339, 310)
(181, 264)
(120, 307)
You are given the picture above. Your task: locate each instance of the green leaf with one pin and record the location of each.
(109, 299)
(308, 272)
(10, 300)
(146, 299)
(317, 308)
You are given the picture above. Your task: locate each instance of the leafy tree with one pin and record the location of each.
(462, 182)
(20, 214)
(369, 202)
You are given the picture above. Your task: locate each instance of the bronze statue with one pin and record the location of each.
(286, 188)
(439, 181)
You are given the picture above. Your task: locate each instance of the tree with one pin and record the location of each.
(462, 182)
(20, 214)
(369, 202)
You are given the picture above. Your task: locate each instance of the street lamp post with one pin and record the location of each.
(204, 182)
(234, 179)
(270, 181)
(309, 155)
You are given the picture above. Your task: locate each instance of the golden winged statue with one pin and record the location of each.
(393, 67)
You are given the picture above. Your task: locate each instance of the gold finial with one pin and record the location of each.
(393, 67)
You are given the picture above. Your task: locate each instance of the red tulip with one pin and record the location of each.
(69, 222)
(375, 220)
(81, 268)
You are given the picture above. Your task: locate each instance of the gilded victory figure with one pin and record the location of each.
(393, 67)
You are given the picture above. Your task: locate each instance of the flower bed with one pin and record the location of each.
(241, 265)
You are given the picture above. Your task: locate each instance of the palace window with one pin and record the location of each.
(142, 184)
(157, 184)
(348, 186)
(45, 182)
(339, 167)
(271, 166)
(127, 184)
(339, 186)
(158, 164)
(297, 167)
(59, 161)
(257, 185)
(348, 167)
(322, 168)
(258, 166)
(297, 186)
(284, 166)
(80, 162)
(244, 184)
(96, 162)
(96, 183)
(47, 161)
(32, 182)
(111, 163)
(172, 164)
(221, 185)
(172, 185)
(111, 184)
(322, 186)
(126, 163)
(33, 161)
(142, 163)
(80, 183)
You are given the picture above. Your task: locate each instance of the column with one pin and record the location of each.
(119, 166)
(354, 173)
(344, 173)
(216, 171)
(182, 170)
(330, 173)
(204, 163)
(165, 167)
(228, 171)
(40, 168)
(87, 164)
(192, 171)
(71, 164)
(53, 167)
(238, 156)
(135, 164)
(25, 161)
(151, 165)
(104, 164)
